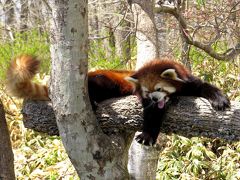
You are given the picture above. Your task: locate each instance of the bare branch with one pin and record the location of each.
(226, 56)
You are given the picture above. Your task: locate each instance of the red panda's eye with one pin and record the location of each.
(158, 89)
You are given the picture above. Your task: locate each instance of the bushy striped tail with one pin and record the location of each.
(19, 75)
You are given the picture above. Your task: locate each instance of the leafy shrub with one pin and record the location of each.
(199, 158)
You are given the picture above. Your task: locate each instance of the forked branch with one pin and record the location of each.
(172, 9)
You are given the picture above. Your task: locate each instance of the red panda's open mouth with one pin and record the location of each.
(161, 104)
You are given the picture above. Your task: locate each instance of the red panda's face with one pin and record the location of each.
(157, 91)
(155, 87)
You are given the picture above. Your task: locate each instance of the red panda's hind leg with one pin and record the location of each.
(102, 87)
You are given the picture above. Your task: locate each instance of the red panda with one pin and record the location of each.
(103, 84)
(155, 83)
(160, 80)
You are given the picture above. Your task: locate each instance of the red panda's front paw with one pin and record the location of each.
(145, 139)
(221, 102)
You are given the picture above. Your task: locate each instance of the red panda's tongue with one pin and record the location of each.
(161, 104)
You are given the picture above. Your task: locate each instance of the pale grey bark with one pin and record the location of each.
(9, 12)
(36, 17)
(122, 31)
(184, 45)
(24, 10)
(6, 154)
(162, 34)
(93, 154)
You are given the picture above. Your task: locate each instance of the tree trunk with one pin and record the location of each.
(9, 21)
(6, 154)
(23, 15)
(9, 13)
(121, 33)
(151, 43)
(123, 42)
(185, 46)
(142, 161)
(146, 32)
(93, 19)
(162, 35)
(93, 154)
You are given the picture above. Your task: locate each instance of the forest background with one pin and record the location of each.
(24, 28)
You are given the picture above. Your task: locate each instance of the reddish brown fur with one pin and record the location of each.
(150, 73)
(19, 75)
(23, 68)
(183, 82)
(157, 66)
(116, 76)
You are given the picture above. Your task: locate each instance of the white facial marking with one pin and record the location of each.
(144, 88)
(170, 89)
(157, 95)
(145, 91)
(161, 90)
(158, 87)
(163, 86)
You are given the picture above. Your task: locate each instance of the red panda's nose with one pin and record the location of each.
(155, 99)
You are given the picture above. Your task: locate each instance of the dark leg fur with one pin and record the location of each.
(151, 125)
(196, 87)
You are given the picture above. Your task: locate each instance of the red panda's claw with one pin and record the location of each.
(145, 139)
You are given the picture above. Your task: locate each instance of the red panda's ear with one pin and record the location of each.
(132, 80)
(171, 74)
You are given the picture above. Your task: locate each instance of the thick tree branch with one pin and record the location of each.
(173, 10)
(187, 116)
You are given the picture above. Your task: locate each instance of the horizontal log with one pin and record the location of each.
(187, 116)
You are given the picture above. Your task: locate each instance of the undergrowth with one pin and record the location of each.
(199, 158)
(30, 42)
